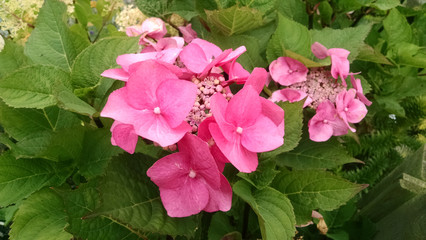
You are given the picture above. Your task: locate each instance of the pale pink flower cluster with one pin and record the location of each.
(178, 94)
(337, 107)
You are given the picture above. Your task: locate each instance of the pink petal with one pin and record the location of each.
(220, 198)
(145, 77)
(188, 33)
(287, 71)
(126, 60)
(189, 199)
(209, 48)
(134, 31)
(257, 79)
(218, 105)
(211, 67)
(288, 94)
(236, 72)
(356, 111)
(116, 73)
(262, 136)
(156, 128)
(244, 108)
(124, 136)
(154, 27)
(194, 58)
(339, 52)
(319, 50)
(356, 83)
(202, 162)
(233, 55)
(170, 171)
(272, 111)
(339, 68)
(318, 130)
(176, 98)
(240, 157)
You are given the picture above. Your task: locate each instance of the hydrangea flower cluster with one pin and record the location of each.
(178, 94)
(336, 106)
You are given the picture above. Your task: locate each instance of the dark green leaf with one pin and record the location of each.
(289, 35)
(294, 10)
(139, 206)
(263, 175)
(220, 226)
(52, 42)
(313, 189)
(41, 217)
(274, 210)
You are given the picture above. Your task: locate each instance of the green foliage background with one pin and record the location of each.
(60, 178)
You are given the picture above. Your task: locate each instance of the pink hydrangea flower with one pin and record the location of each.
(188, 33)
(287, 71)
(124, 136)
(190, 181)
(350, 109)
(154, 101)
(236, 73)
(152, 27)
(339, 60)
(291, 95)
(242, 130)
(356, 83)
(165, 43)
(326, 123)
(200, 56)
(125, 60)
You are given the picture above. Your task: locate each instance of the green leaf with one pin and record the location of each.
(88, 66)
(274, 210)
(52, 42)
(294, 10)
(316, 155)
(263, 175)
(325, 12)
(234, 20)
(22, 122)
(21, 177)
(139, 206)
(40, 217)
(7, 213)
(184, 8)
(32, 87)
(83, 201)
(391, 105)
(313, 189)
(351, 39)
(82, 11)
(408, 54)
(220, 226)
(97, 152)
(397, 28)
(150, 8)
(369, 54)
(289, 35)
(41, 86)
(386, 4)
(12, 57)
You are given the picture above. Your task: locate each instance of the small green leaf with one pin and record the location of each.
(313, 189)
(274, 210)
(139, 206)
(263, 175)
(21, 177)
(52, 42)
(351, 39)
(97, 152)
(40, 217)
(68, 101)
(234, 20)
(386, 4)
(316, 155)
(369, 54)
(289, 35)
(293, 121)
(397, 28)
(88, 66)
(12, 57)
(294, 10)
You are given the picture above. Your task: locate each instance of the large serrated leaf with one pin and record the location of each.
(21, 177)
(289, 35)
(40, 217)
(52, 42)
(351, 39)
(293, 120)
(274, 210)
(316, 155)
(139, 206)
(234, 20)
(313, 189)
(83, 201)
(397, 28)
(96, 153)
(88, 66)
(12, 57)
